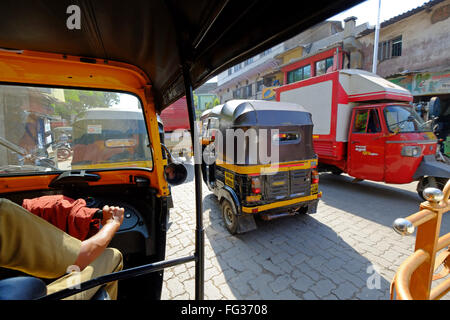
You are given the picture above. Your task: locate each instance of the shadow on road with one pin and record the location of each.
(388, 201)
(383, 203)
(290, 258)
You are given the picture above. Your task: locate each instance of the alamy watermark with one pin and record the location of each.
(74, 280)
(248, 146)
(73, 22)
(374, 279)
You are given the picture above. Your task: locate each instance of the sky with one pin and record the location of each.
(367, 11)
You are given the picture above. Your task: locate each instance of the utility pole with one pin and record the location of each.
(375, 43)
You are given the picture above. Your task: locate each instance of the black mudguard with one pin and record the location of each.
(433, 168)
(246, 222)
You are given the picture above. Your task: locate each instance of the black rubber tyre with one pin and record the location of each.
(229, 217)
(425, 183)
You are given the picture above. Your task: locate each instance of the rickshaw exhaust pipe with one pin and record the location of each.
(272, 216)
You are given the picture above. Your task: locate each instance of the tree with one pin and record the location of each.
(78, 101)
(195, 100)
(216, 102)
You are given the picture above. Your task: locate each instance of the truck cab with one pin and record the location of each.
(384, 140)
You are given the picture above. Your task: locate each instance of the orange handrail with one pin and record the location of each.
(414, 276)
(405, 272)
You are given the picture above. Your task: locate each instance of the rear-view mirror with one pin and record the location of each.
(175, 173)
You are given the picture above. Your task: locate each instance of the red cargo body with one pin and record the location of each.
(340, 102)
(176, 129)
(176, 116)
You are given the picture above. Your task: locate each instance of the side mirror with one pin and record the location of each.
(175, 173)
(434, 107)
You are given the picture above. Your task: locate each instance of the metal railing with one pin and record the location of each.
(413, 280)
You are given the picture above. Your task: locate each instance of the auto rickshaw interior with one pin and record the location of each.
(111, 164)
(172, 48)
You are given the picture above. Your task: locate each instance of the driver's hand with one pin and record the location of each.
(112, 215)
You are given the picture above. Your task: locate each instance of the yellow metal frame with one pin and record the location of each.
(280, 204)
(268, 168)
(127, 164)
(57, 70)
(414, 277)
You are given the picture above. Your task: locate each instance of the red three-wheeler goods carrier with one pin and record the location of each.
(365, 126)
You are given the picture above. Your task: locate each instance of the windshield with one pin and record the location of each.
(53, 129)
(404, 119)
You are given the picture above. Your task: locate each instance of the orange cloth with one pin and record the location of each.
(69, 215)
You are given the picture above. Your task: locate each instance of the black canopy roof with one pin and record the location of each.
(161, 36)
(255, 113)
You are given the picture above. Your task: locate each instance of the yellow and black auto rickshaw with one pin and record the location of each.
(261, 161)
(155, 51)
(110, 137)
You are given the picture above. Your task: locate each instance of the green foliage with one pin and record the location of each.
(195, 100)
(78, 101)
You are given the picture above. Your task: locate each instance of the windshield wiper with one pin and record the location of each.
(409, 119)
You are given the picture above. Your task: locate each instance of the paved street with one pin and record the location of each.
(347, 250)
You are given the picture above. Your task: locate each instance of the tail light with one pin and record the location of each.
(256, 185)
(314, 176)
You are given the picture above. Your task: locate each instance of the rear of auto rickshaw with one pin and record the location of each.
(431, 258)
(261, 161)
(110, 137)
(108, 48)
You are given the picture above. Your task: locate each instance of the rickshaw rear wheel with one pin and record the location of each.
(229, 217)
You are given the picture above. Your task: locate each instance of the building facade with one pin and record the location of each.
(340, 50)
(414, 51)
(256, 77)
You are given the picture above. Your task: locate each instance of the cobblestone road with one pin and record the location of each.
(347, 250)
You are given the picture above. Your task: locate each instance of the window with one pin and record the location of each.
(390, 48)
(265, 53)
(259, 85)
(364, 125)
(307, 72)
(237, 67)
(360, 122)
(41, 132)
(397, 47)
(323, 65)
(373, 125)
(248, 91)
(404, 119)
(230, 71)
(248, 61)
(299, 74)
